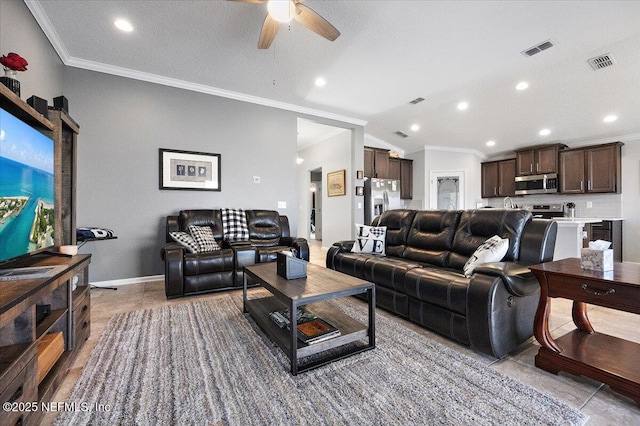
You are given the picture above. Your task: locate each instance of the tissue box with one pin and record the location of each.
(597, 260)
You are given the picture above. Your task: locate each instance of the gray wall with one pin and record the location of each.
(20, 33)
(123, 123)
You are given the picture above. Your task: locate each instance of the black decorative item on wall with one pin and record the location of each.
(189, 170)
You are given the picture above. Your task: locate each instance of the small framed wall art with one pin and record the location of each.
(336, 184)
(189, 170)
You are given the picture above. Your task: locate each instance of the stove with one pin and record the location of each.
(546, 211)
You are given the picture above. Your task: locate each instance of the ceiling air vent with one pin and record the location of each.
(401, 134)
(538, 48)
(602, 61)
(416, 101)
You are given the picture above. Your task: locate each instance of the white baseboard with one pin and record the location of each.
(127, 281)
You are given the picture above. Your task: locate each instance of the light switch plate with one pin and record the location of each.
(282, 204)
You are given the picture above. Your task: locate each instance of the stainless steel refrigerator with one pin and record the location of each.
(380, 195)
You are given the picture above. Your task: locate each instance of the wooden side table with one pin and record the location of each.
(583, 351)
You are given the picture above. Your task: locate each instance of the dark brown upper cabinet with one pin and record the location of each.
(538, 160)
(593, 169)
(498, 178)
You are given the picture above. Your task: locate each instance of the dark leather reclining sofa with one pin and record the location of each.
(194, 273)
(421, 277)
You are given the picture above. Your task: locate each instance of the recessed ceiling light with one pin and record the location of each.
(462, 106)
(523, 85)
(320, 82)
(491, 143)
(415, 127)
(123, 25)
(544, 132)
(610, 118)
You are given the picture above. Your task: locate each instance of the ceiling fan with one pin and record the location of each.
(281, 11)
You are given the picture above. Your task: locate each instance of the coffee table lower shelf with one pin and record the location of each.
(349, 343)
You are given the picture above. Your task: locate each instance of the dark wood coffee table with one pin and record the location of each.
(320, 285)
(583, 351)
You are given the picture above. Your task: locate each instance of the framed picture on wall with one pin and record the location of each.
(189, 170)
(336, 184)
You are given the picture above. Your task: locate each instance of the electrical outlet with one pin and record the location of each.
(256, 179)
(589, 204)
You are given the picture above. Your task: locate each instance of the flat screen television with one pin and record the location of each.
(27, 194)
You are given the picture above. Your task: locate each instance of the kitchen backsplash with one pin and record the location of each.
(603, 205)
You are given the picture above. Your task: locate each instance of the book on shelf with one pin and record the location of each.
(281, 318)
(316, 330)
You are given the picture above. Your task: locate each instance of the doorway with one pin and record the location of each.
(447, 190)
(315, 204)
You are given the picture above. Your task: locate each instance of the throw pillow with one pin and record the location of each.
(492, 250)
(370, 239)
(185, 240)
(234, 225)
(204, 237)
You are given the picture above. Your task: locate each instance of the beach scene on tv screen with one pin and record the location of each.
(26, 188)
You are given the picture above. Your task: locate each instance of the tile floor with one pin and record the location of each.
(593, 398)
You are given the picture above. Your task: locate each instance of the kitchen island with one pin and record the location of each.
(570, 237)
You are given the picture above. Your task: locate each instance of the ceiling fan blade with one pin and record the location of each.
(268, 32)
(316, 23)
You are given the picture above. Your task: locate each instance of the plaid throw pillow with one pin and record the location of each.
(204, 237)
(234, 224)
(492, 250)
(185, 240)
(370, 239)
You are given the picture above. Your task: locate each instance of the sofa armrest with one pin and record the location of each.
(225, 244)
(344, 245)
(171, 226)
(299, 244)
(173, 254)
(517, 278)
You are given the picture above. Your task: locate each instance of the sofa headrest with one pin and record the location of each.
(202, 217)
(398, 223)
(477, 225)
(264, 227)
(431, 236)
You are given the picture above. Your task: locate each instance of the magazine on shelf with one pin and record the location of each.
(316, 331)
(281, 318)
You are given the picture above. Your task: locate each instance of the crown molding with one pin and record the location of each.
(610, 139)
(475, 152)
(48, 29)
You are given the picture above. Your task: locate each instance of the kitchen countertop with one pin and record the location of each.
(569, 221)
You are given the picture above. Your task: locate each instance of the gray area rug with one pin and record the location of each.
(203, 363)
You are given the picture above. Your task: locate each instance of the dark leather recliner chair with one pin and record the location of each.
(194, 273)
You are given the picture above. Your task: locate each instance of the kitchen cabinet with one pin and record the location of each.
(406, 179)
(376, 163)
(394, 168)
(538, 160)
(593, 169)
(498, 178)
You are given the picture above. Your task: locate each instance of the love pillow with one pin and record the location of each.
(370, 239)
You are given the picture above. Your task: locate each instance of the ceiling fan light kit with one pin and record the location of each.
(282, 11)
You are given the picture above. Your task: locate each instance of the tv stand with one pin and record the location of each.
(46, 349)
(57, 253)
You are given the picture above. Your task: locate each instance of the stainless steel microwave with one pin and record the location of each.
(537, 184)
